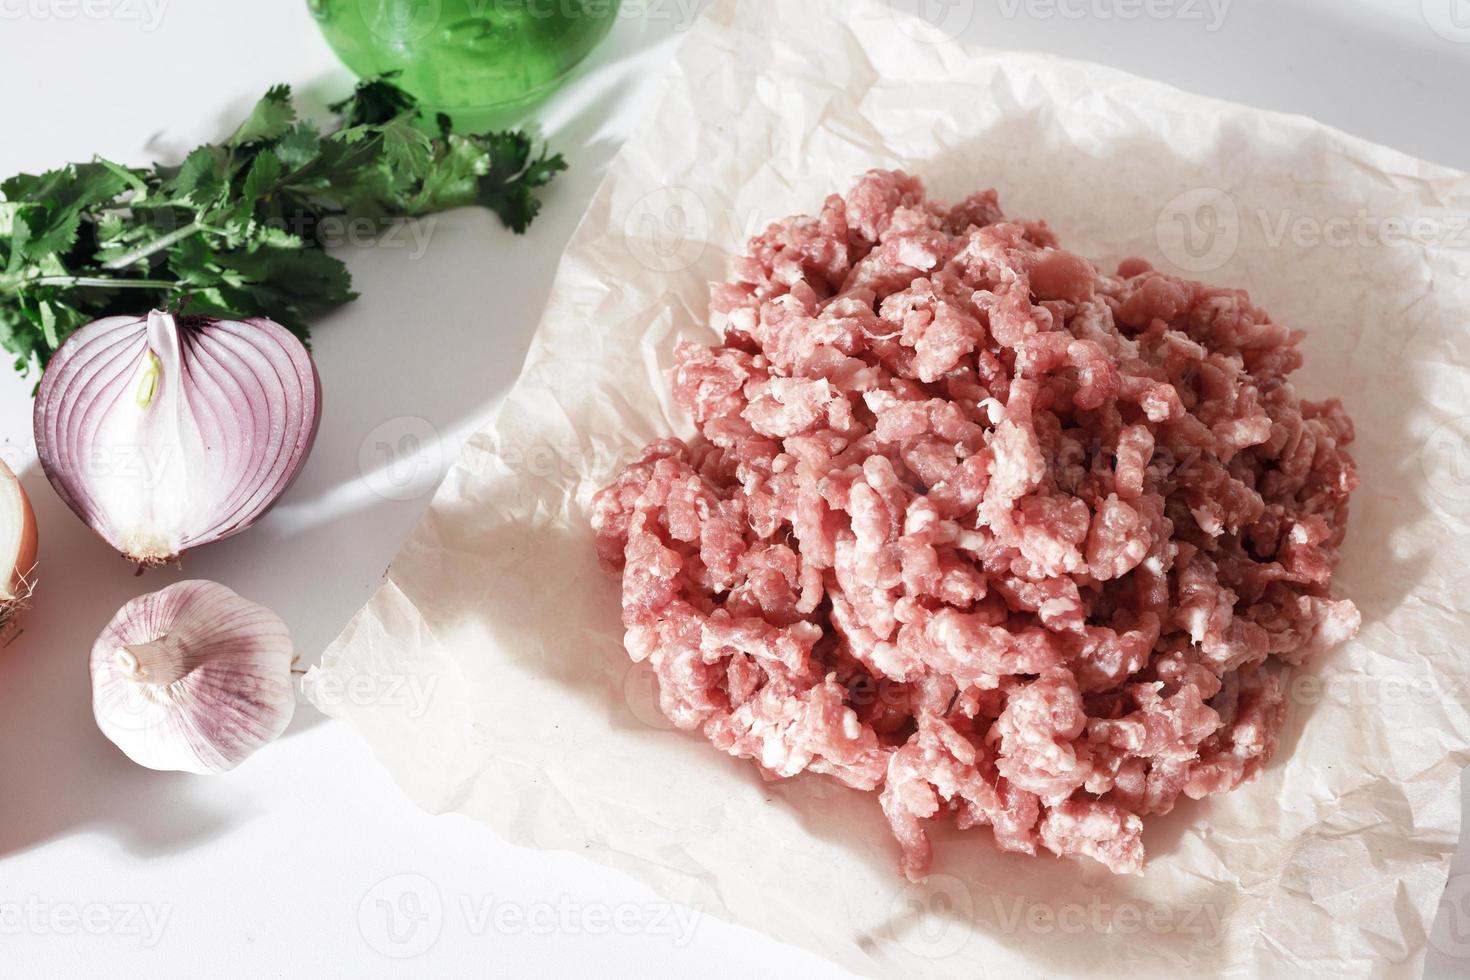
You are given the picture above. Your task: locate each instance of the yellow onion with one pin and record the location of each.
(18, 541)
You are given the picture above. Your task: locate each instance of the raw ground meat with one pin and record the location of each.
(981, 529)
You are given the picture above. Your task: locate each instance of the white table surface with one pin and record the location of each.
(296, 864)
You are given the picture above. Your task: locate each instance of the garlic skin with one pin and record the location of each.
(193, 678)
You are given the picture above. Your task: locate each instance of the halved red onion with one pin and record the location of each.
(167, 434)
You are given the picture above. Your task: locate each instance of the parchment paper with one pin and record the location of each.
(1330, 864)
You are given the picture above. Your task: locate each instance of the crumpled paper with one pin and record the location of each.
(1329, 864)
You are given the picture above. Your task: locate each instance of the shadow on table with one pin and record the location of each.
(420, 361)
(58, 771)
(432, 340)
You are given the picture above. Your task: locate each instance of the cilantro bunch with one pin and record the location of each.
(235, 230)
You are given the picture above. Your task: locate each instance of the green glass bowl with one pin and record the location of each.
(466, 56)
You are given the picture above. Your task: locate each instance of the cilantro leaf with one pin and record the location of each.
(237, 228)
(265, 173)
(407, 149)
(269, 120)
(509, 188)
(300, 145)
(375, 102)
(201, 178)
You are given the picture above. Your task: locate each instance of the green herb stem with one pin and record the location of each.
(102, 282)
(154, 247)
(13, 285)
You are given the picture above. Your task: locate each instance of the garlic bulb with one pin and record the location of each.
(192, 678)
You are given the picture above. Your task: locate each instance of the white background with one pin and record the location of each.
(291, 865)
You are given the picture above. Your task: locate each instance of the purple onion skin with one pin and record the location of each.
(316, 423)
(250, 397)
